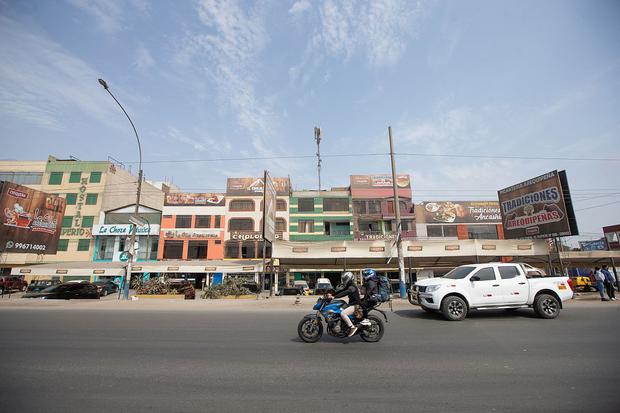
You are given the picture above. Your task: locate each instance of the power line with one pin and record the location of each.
(598, 206)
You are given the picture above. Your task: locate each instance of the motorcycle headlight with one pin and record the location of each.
(431, 288)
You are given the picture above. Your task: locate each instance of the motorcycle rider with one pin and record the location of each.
(349, 289)
(371, 291)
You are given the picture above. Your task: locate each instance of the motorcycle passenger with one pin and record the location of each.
(371, 291)
(349, 289)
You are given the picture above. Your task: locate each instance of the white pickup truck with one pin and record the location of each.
(492, 285)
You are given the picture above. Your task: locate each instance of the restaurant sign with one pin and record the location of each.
(191, 199)
(124, 229)
(469, 212)
(254, 186)
(191, 233)
(251, 235)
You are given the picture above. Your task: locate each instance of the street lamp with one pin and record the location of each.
(134, 226)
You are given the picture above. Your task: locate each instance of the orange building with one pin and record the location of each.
(192, 227)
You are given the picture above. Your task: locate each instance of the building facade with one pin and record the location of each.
(320, 216)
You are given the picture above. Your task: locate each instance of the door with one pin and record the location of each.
(485, 291)
(513, 285)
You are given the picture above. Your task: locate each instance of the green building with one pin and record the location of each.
(320, 216)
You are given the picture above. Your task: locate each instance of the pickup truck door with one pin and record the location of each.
(514, 287)
(485, 291)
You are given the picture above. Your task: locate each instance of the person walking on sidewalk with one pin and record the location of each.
(600, 283)
(610, 281)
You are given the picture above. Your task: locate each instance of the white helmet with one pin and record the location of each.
(347, 278)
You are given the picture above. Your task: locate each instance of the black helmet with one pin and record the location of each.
(347, 278)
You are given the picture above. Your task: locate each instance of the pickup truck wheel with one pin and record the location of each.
(546, 306)
(454, 308)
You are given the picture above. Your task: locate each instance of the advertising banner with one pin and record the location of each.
(462, 212)
(251, 236)
(124, 229)
(190, 199)
(192, 233)
(269, 211)
(31, 219)
(254, 186)
(598, 245)
(537, 208)
(379, 181)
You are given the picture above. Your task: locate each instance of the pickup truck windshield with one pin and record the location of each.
(459, 273)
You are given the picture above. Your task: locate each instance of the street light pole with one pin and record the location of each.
(134, 227)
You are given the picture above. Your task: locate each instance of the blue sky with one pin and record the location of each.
(211, 79)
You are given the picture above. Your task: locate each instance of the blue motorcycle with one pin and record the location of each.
(310, 328)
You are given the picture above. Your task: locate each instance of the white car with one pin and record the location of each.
(492, 285)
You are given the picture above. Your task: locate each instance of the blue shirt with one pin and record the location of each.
(609, 276)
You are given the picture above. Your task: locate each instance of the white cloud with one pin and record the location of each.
(299, 7)
(109, 14)
(40, 82)
(144, 60)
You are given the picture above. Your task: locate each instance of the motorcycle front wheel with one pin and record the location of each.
(310, 330)
(374, 332)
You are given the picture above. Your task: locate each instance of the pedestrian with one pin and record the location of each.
(600, 283)
(610, 281)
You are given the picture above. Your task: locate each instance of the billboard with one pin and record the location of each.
(269, 211)
(31, 219)
(462, 212)
(379, 181)
(254, 186)
(597, 245)
(189, 199)
(538, 208)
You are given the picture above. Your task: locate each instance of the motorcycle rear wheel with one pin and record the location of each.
(310, 330)
(374, 332)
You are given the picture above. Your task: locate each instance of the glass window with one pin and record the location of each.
(459, 273)
(482, 232)
(231, 249)
(305, 226)
(74, 177)
(91, 199)
(335, 204)
(95, 177)
(408, 224)
(183, 221)
(87, 221)
(369, 226)
(248, 249)
(63, 244)
(486, 274)
(22, 178)
(374, 207)
(83, 244)
(218, 221)
(173, 249)
(359, 207)
(241, 205)
(434, 231)
(197, 250)
(280, 205)
(66, 222)
(280, 225)
(71, 199)
(55, 178)
(337, 228)
(509, 271)
(203, 221)
(305, 204)
(449, 231)
(105, 249)
(240, 224)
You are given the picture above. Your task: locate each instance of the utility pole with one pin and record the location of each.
(399, 241)
(317, 138)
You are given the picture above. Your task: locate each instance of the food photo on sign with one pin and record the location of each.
(462, 212)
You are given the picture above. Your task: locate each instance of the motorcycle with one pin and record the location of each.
(310, 328)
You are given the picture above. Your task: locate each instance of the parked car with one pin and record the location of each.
(67, 291)
(322, 285)
(12, 283)
(40, 285)
(183, 286)
(106, 287)
(492, 285)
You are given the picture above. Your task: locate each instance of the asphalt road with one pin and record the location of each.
(56, 360)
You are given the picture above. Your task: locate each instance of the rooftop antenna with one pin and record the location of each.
(317, 138)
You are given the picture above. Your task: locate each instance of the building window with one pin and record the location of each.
(280, 205)
(337, 228)
(248, 249)
(74, 177)
(183, 221)
(55, 178)
(95, 177)
(105, 249)
(22, 178)
(374, 207)
(91, 199)
(305, 204)
(203, 221)
(280, 225)
(71, 199)
(63, 244)
(218, 242)
(359, 207)
(87, 221)
(197, 250)
(173, 250)
(66, 221)
(241, 224)
(241, 205)
(369, 226)
(482, 232)
(335, 204)
(231, 249)
(305, 227)
(450, 231)
(218, 221)
(441, 231)
(83, 244)
(409, 225)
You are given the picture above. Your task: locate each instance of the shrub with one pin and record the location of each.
(231, 286)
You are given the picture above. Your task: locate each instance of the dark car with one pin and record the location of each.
(67, 291)
(40, 285)
(106, 287)
(12, 283)
(183, 286)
